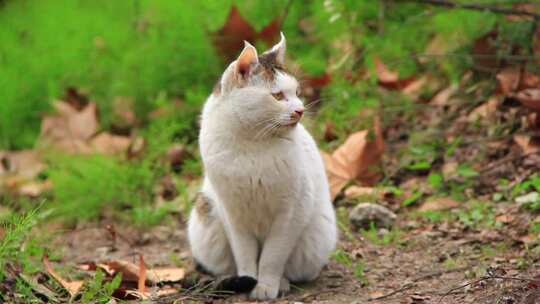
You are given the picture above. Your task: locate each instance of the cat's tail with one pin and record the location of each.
(236, 284)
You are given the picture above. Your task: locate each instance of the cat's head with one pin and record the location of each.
(259, 93)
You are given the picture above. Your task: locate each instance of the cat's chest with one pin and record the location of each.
(257, 187)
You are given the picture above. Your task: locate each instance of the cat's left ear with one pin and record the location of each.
(278, 50)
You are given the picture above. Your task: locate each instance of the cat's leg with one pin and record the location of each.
(277, 247)
(313, 248)
(209, 244)
(245, 249)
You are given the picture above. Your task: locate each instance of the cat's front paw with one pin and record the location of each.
(264, 291)
(284, 286)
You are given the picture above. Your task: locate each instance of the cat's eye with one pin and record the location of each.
(278, 95)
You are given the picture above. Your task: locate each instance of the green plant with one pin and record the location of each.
(477, 214)
(356, 265)
(98, 290)
(16, 231)
(391, 236)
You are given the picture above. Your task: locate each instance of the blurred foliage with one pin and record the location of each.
(143, 48)
(160, 54)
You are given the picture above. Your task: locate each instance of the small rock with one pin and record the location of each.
(365, 213)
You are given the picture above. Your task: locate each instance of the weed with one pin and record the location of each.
(355, 265)
(382, 237)
(98, 290)
(478, 214)
(17, 228)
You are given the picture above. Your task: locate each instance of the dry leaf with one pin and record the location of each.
(69, 129)
(229, 39)
(527, 143)
(142, 275)
(26, 164)
(133, 273)
(529, 98)
(485, 110)
(34, 188)
(158, 275)
(444, 95)
(390, 79)
(129, 271)
(356, 191)
(352, 160)
(384, 74)
(508, 80)
(439, 204)
(414, 89)
(107, 143)
(504, 218)
(484, 51)
(71, 287)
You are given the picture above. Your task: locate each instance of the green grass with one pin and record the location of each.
(118, 48)
(13, 245)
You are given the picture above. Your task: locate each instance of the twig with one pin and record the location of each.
(478, 7)
(401, 289)
(510, 158)
(439, 273)
(313, 294)
(480, 280)
(415, 280)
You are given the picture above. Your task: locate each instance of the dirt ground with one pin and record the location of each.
(432, 263)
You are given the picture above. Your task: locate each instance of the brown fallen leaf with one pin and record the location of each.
(527, 143)
(72, 287)
(34, 188)
(442, 97)
(229, 39)
(133, 273)
(390, 79)
(107, 143)
(439, 204)
(353, 160)
(142, 275)
(356, 191)
(504, 218)
(529, 98)
(508, 80)
(68, 129)
(129, 271)
(485, 110)
(159, 275)
(26, 164)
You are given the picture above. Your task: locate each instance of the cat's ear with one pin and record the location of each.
(278, 50)
(247, 60)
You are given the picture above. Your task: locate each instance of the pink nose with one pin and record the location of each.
(299, 112)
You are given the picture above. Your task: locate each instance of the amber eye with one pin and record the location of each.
(278, 96)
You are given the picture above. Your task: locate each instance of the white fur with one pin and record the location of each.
(272, 217)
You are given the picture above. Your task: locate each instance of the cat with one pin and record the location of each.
(264, 211)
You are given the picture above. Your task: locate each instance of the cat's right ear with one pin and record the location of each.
(247, 60)
(239, 70)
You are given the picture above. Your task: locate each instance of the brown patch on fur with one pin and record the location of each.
(202, 206)
(269, 66)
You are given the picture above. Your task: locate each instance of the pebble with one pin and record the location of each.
(364, 214)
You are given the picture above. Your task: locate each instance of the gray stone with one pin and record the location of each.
(365, 213)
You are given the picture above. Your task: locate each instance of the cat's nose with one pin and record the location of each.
(298, 112)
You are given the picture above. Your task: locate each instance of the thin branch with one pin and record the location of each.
(479, 7)
(483, 279)
(415, 280)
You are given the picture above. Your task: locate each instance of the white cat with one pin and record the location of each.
(264, 210)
